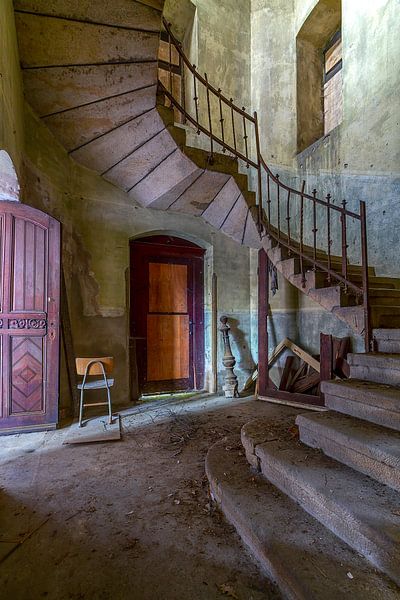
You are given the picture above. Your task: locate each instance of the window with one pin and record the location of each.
(165, 57)
(333, 83)
(319, 74)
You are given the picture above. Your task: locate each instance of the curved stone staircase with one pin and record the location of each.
(90, 73)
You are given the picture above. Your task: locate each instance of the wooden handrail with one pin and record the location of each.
(265, 197)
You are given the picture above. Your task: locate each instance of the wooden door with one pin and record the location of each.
(29, 318)
(167, 321)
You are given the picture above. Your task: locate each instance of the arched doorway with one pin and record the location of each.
(167, 314)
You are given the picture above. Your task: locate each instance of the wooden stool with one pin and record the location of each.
(95, 366)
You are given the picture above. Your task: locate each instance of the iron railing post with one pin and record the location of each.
(260, 202)
(365, 279)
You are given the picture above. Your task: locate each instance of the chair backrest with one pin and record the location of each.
(95, 369)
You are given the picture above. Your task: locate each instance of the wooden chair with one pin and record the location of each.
(95, 366)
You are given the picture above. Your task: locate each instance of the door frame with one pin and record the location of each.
(169, 249)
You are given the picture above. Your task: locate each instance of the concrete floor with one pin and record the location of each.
(129, 519)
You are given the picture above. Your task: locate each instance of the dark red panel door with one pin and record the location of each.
(167, 313)
(29, 318)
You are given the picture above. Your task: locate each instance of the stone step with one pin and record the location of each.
(200, 193)
(384, 297)
(164, 176)
(86, 125)
(306, 560)
(44, 41)
(110, 148)
(352, 315)
(219, 162)
(387, 340)
(378, 367)
(374, 402)
(368, 448)
(137, 166)
(63, 88)
(380, 282)
(359, 510)
(385, 316)
(121, 13)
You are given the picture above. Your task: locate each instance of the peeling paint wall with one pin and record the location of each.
(224, 46)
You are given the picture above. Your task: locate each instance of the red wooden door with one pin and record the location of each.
(167, 321)
(29, 318)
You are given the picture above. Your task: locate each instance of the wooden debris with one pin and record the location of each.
(306, 383)
(303, 373)
(287, 372)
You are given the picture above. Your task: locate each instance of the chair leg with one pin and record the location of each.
(81, 409)
(109, 406)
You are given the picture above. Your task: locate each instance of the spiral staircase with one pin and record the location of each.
(90, 72)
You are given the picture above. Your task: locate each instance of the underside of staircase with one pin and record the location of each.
(91, 76)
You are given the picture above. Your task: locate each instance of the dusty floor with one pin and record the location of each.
(129, 519)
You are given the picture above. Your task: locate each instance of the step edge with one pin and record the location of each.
(384, 546)
(358, 446)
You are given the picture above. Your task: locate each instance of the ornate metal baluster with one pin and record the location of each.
(344, 243)
(231, 384)
(365, 278)
(196, 98)
(245, 136)
(268, 199)
(209, 118)
(183, 86)
(233, 125)
(260, 195)
(170, 64)
(315, 229)
(303, 277)
(328, 215)
(288, 217)
(221, 118)
(279, 206)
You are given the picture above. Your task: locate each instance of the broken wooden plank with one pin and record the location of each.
(291, 399)
(302, 354)
(287, 372)
(306, 383)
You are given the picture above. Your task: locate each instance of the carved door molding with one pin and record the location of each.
(29, 318)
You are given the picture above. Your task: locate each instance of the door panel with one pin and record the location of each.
(168, 285)
(28, 266)
(26, 358)
(167, 347)
(29, 318)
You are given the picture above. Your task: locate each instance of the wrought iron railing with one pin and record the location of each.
(283, 212)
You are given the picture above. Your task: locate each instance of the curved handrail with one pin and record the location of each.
(270, 197)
